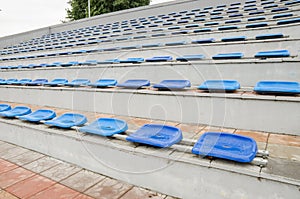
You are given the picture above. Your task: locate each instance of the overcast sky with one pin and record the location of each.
(23, 15)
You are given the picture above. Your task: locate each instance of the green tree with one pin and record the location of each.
(79, 8)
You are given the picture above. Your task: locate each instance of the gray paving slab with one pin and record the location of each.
(12, 152)
(42, 164)
(108, 189)
(137, 193)
(26, 158)
(82, 180)
(61, 171)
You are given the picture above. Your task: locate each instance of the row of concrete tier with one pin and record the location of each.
(143, 23)
(56, 46)
(262, 87)
(145, 32)
(157, 135)
(231, 50)
(139, 60)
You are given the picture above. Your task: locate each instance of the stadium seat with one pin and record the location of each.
(8, 81)
(257, 25)
(88, 63)
(292, 2)
(134, 83)
(186, 58)
(4, 107)
(226, 146)
(71, 63)
(102, 83)
(230, 39)
(159, 59)
(36, 82)
(177, 43)
(132, 60)
(109, 61)
(39, 115)
(203, 41)
(228, 56)
(157, 135)
(17, 111)
(56, 82)
(277, 87)
(152, 45)
(269, 36)
(67, 120)
(273, 54)
(282, 15)
(228, 27)
(130, 47)
(172, 84)
(78, 82)
(22, 82)
(219, 85)
(105, 127)
(288, 21)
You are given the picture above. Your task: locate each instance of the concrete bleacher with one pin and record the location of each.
(165, 30)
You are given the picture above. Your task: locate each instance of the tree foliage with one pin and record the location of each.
(79, 8)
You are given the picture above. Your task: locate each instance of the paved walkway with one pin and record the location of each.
(28, 174)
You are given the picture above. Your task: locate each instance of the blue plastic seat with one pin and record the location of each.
(22, 82)
(156, 135)
(228, 27)
(288, 21)
(273, 54)
(109, 61)
(88, 62)
(219, 85)
(37, 116)
(130, 47)
(152, 45)
(78, 82)
(159, 35)
(104, 83)
(230, 39)
(228, 56)
(280, 9)
(17, 111)
(277, 87)
(282, 15)
(269, 36)
(4, 107)
(292, 2)
(202, 30)
(56, 82)
(172, 84)
(134, 83)
(37, 82)
(54, 64)
(8, 81)
(105, 127)
(71, 63)
(203, 41)
(133, 60)
(67, 120)
(232, 21)
(257, 25)
(177, 43)
(159, 59)
(186, 58)
(226, 146)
